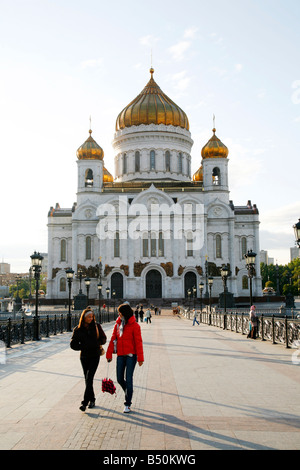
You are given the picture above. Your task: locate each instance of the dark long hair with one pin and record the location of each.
(126, 311)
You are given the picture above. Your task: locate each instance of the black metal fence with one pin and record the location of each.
(19, 331)
(284, 330)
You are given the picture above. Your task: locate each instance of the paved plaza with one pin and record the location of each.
(200, 388)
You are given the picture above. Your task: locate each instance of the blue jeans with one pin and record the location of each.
(125, 368)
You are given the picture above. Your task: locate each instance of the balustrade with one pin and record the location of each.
(284, 330)
(19, 331)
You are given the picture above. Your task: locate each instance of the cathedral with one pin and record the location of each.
(154, 230)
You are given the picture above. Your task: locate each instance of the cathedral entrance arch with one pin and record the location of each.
(116, 284)
(153, 284)
(190, 281)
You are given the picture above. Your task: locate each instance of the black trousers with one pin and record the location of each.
(89, 366)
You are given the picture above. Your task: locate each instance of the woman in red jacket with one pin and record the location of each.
(127, 342)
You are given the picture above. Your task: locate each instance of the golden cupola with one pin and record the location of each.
(107, 177)
(90, 150)
(198, 176)
(214, 148)
(152, 106)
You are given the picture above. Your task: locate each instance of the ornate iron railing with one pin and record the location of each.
(19, 331)
(284, 330)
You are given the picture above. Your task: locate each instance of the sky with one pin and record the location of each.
(63, 61)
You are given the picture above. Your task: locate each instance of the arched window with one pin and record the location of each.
(153, 245)
(62, 285)
(245, 282)
(216, 176)
(88, 248)
(137, 161)
(89, 178)
(180, 163)
(152, 160)
(161, 245)
(244, 246)
(145, 245)
(124, 163)
(63, 250)
(117, 245)
(218, 246)
(189, 244)
(168, 161)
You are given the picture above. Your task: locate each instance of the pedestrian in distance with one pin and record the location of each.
(148, 315)
(136, 313)
(253, 322)
(88, 338)
(195, 317)
(127, 338)
(141, 314)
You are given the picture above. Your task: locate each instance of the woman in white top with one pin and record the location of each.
(148, 315)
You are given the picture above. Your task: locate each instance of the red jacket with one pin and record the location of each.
(129, 343)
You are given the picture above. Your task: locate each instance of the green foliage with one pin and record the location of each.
(24, 288)
(288, 277)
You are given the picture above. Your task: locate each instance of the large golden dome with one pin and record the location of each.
(152, 106)
(90, 150)
(214, 148)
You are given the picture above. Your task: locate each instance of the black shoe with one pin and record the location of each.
(82, 407)
(91, 404)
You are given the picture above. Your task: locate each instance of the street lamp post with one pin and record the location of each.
(107, 296)
(224, 276)
(194, 295)
(201, 287)
(189, 297)
(70, 274)
(210, 284)
(114, 299)
(296, 228)
(206, 278)
(36, 262)
(99, 285)
(250, 263)
(87, 282)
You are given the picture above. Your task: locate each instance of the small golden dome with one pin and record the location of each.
(107, 177)
(198, 176)
(152, 106)
(214, 148)
(90, 150)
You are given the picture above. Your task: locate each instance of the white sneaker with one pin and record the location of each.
(127, 409)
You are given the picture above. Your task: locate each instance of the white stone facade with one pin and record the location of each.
(139, 260)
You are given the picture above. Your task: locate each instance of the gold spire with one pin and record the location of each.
(152, 106)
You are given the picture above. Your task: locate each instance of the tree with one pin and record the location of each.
(288, 276)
